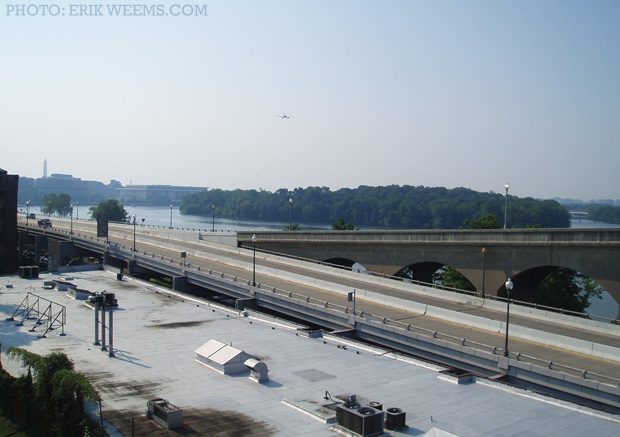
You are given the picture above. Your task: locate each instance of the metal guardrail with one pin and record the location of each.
(538, 362)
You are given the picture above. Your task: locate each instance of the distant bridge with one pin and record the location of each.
(485, 257)
(578, 215)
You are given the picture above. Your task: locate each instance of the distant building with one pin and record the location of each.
(8, 223)
(81, 191)
(75, 187)
(155, 194)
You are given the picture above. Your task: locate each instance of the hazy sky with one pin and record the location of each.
(433, 93)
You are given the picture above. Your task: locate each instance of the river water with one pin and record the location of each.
(160, 216)
(164, 216)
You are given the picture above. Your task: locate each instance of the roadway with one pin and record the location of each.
(223, 259)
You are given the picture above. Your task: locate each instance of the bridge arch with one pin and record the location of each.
(420, 271)
(528, 285)
(594, 252)
(426, 271)
(346, 263)
(339, 261)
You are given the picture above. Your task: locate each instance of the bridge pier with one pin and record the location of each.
(134, 269)
(24, 241)
(179, 283)
(40, 245)
(243, 304)
(58, 252)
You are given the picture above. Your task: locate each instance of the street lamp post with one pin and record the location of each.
(254, 260)
(509, 286)
(134, 232)
(506, 206)
(27, 211)
(77, 215)
(290, 215)
(71, 219)
(484, 267)
(171, 216)
(213, 218)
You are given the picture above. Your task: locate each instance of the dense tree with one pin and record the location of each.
(56, 392)
(449, 277)
(111, 207)
(71, 391)
(59, 204)
(488, 221)
(567, 289)
(339, 225)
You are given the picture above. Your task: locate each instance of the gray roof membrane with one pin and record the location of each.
(160, 335)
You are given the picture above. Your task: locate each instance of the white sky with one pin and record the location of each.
(435, 93)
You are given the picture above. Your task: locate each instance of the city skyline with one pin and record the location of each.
(61, 177)
(450, 94)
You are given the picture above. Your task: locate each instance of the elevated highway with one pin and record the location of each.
(485, 257)
(554, 353)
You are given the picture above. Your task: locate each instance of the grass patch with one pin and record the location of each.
(7, 426)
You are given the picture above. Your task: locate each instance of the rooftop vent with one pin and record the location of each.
(258, 369)
(164, 413)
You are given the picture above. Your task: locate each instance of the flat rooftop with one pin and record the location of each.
(156, 332)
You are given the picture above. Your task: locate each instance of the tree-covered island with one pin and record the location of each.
(394, 206)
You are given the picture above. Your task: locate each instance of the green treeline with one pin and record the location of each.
(393, 206)
(50, 397)
(604, 213)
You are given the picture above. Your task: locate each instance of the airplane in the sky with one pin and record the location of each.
(285, 116)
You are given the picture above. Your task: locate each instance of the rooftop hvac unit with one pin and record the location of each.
(395, 418)
(28, 271)
(343, 413)
(109, 299)
(164, 413)
(363, 421)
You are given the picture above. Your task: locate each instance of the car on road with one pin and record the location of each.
(32, 215)
(46, 223)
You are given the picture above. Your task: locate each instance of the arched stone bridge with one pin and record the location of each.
(526, 255)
